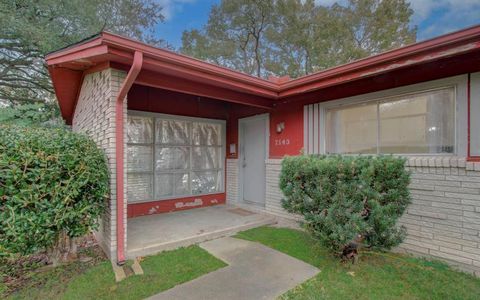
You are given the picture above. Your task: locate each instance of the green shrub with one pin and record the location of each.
(343, 198)
(53, 183)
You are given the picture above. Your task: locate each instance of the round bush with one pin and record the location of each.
(52, 182)
(346, 200)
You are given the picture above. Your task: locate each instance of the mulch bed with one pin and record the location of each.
(21, 272)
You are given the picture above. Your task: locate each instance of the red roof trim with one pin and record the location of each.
(183, 60)
(121, 49)
(465, 35)
(74, 48)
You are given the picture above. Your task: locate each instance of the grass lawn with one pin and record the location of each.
(162, 271)
(376, 276)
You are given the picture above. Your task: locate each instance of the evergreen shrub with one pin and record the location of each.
(348, 200)
(53, 184)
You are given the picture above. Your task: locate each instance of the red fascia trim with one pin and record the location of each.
(185, 70)
(79, 55)
(468, 35)
(126, 85)
(183, 60)
(209, 78)
(75, 48)
(275, 90)
(368, 68)
(120, 50)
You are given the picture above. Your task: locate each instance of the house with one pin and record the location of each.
(180, 133)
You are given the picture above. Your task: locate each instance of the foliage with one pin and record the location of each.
(234, 35)
(377, 276)
(298, 37)
(344, 197)
(161, 272)
(53, 182)
(30, 115)
(32, 28)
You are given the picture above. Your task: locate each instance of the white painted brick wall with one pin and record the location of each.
(443, 220)
(95, 116)
(273, 195)
(232, 181)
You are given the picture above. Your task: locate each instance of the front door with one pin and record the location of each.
(253, 150)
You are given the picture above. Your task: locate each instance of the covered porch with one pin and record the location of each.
(155, 233)
(182, 177)
(169, 125)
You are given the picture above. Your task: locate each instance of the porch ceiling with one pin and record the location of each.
(168, 70)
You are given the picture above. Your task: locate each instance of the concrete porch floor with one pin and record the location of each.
(152, 234)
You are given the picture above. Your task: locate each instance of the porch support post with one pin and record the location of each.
(119, 106)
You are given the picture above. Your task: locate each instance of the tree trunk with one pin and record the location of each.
(64, 250)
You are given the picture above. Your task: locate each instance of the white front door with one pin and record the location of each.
(253, 152)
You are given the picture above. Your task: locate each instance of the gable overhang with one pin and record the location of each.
(172, 71)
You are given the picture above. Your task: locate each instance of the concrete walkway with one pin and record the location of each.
(254, 271)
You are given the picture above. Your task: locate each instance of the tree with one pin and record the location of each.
(374, 26)
(298, 37)
(29, 29)
(234, 35)
(36, 114)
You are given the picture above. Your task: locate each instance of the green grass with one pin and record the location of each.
(376, 276)
(162, 271)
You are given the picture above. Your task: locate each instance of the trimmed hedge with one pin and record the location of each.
(52, 182)
(343, 198)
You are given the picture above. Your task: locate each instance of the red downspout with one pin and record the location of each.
(126, 85)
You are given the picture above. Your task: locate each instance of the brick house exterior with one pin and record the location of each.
(188, 126)
(96, 117)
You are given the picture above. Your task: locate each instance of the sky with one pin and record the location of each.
(432, 17)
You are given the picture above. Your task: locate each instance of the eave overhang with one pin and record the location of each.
(169, 70)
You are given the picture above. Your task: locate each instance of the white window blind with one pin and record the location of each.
(418, 123)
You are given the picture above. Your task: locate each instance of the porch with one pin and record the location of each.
(167, 231)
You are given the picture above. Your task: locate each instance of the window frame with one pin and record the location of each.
(389, 95)
(190, 170)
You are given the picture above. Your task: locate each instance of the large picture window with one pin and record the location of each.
(172, 156)
(417, 123)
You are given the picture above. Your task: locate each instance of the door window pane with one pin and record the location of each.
(420, 123)
(352, 129)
